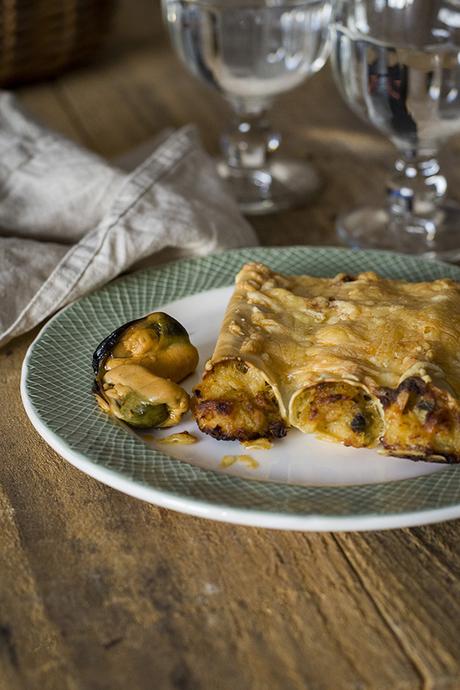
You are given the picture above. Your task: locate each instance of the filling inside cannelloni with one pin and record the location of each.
(422, 422)
(339, 412)
(235, 402)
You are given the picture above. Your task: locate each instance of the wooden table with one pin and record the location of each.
(99, 591)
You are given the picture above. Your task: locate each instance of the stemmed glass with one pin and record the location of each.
(251, 51)
(397, 64)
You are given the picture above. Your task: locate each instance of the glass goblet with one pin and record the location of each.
(251, 51)
(397, 64)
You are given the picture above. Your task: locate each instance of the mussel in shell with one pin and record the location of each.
(137, 369)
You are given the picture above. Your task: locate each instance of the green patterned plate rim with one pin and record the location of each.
(56, 391)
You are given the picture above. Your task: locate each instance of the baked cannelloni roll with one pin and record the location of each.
(362, 360)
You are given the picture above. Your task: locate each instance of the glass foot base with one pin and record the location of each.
(371, 228)
(281, 185)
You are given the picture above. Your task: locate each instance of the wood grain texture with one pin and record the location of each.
(99, 591)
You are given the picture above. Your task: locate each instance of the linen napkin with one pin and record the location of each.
(70, 221)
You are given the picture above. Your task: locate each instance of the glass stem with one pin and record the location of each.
(250, 141)
(415, 193)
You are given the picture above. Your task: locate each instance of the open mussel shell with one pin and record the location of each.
(165, 332)
(137, 368)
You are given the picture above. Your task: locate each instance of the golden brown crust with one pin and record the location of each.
(234, 403)
(396, 341)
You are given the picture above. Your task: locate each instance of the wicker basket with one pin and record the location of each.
(40, 38)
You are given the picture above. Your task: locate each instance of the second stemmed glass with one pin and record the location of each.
(251, 51)
(397, 64)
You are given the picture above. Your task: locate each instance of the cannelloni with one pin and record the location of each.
(362, 360)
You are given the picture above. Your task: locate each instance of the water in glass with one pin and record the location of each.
(412, 96)
(397, 64)
(251, 51)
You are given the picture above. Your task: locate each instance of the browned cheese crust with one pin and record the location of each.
(363, 360)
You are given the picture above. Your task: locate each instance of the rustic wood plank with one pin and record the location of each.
(32, 652)
(414, 581)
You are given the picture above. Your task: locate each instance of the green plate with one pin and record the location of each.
(56, 390)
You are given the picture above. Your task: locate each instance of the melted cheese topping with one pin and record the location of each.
(248, 460)
(368, 328)
(183, 438)
(258, 444)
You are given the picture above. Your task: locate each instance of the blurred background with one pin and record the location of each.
(103, 73)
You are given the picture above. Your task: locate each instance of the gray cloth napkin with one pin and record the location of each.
(70, 221)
